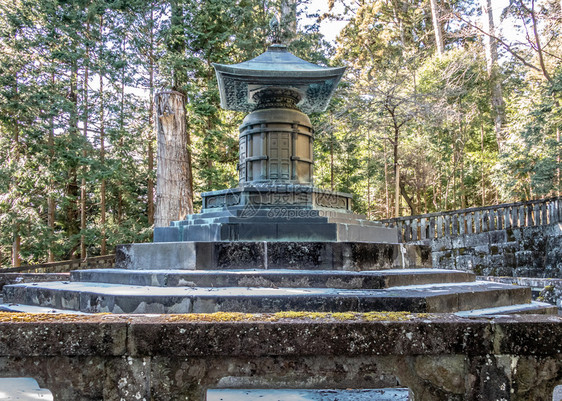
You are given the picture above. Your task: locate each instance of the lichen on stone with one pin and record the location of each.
(296, 315)
(19, 317)
(16, 317)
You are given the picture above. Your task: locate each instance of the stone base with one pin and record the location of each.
(276, 213)
(276, 224)
(321, 255)
(258, 196)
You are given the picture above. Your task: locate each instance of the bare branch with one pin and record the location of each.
(507, 46)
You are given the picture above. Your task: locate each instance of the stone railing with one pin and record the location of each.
(477, 219)
(96, 262)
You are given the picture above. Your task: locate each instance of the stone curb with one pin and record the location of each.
(319, 334)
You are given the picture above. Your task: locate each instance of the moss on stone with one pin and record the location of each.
(47, 317)
(296, 315)
(13, 317)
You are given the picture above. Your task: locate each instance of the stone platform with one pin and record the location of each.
(179, 357)
(119, 298)
(270, 276)
(271, 290)
(280, 223)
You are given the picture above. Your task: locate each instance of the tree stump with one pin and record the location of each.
(174, 193)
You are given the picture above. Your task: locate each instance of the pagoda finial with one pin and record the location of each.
(275, 30)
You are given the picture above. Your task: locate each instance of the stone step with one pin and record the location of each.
(389, 394)
(519, 309)
(21, 308)
(23, 389)
(115, 298)
(376, 279)
(295, 217)
(534, 307)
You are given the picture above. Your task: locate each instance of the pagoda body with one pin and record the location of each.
(276, 199)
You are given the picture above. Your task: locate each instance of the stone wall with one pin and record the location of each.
(179, 357)
(515, 252)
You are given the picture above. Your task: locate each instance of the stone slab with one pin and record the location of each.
(519, 309)
(164, 255)
(73, 335)
(308, 395)
(272, 278)
(12, 307)
(276, 231)
(115, 298)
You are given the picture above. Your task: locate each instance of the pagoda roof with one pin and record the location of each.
(277, 68)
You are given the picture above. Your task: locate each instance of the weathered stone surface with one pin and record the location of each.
(446, 372)
(307, 338)
(127, 378)
(518, 252)
(117, 298)
(69, 336)
(437, 357)
(67, 377)
(272, 278)
(163, 255)
(271, 255)
(545, 338)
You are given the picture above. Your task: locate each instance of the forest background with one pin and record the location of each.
(438, 109)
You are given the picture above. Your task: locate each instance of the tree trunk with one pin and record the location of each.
(16, 247)
(288, 20)
(386, 195)
(454, 150)
(72, 191)
(409, 200)
(437, 27)
(558, 155)
(491, 47)
(16, 244)
(482, 150)
(103, 205)
(51, 198)
(368, 175)
(83, 254)
(174, 196)
(332, 161)
(536, 45)
(177, 45)
(150, 184)
(121, 133)
(397, 190)
(396, 171)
